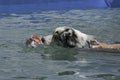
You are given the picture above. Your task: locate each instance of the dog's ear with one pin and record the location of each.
(71, 40)
(74, 34)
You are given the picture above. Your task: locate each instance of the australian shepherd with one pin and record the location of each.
(70, 38)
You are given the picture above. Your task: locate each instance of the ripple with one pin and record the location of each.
(36, 78)
(66, 73)
(4, 45)
(53, 62)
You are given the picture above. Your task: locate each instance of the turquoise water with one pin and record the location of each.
(18, 62)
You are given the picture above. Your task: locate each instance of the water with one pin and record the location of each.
(18, 62)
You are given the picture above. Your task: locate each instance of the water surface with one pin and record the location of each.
(18, 62)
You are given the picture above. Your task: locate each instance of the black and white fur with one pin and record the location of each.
(70, 38)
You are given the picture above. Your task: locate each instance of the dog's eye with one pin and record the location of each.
(67, 30)
(57, 32)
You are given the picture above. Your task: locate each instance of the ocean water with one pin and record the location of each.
(18, 62)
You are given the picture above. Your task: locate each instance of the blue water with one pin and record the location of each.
(20, 6)
(18, 62)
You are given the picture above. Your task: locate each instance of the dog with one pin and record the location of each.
(63, 36)
(69, 37)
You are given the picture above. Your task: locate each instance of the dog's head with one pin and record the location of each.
(70, 37)
(65, 36)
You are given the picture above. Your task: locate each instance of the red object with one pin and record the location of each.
(37, 39)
